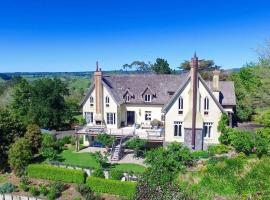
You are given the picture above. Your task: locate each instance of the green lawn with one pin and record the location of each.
(80, 159)
(3, 179)
(88, 161)
(129, 167)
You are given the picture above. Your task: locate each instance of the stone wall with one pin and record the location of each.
(198, 139)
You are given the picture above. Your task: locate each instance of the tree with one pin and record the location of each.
(10, 128)
(105, 139)
(49, 147)
(161, 66)
(164, 165)
(203, 65)
(137, 144)
(42, 103)
(138, 65)
(19, 155)
(34, 137)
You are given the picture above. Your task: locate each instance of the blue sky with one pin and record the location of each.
(64, 35)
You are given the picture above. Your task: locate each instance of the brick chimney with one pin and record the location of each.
(98, 95)
(194, 82)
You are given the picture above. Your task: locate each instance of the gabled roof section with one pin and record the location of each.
(210, 91)
(146, 89)
(88, 93)
(176, 94)
(128, 92)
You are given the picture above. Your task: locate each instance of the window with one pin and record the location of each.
(147, 98)
(91, 101)
(107, 101)
(88, 117)
(110, 118)
(207, 129)
(206, 105)
(127, 98)
(177, 129)
(180, 105)
(147, 115)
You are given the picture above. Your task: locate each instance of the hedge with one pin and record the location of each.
(121, 188)
(54, 173)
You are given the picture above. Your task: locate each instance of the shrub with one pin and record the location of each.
(34, 136)
(66, 139)
(200, 154)
(261, 144)
(138, 145)
(86, 192)
(116, 174)
(34, 191)
(226, 136)
(218, 149)
(56, 173)
(156, 122)
(24, 185)
(99, 185)
(105, 139)
(76, 198)
(7, 188)
(52, 194)
(242, 141)
(49, 147)
(98, 173)
(43, 190)
(58, 186)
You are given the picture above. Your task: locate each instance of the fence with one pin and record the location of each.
(16, 197)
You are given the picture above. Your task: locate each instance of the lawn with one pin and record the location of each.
(3, 179)
(129, 167)
(85, 160)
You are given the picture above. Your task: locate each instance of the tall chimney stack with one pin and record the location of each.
(98, 95)
(194, 81)
(216, 74)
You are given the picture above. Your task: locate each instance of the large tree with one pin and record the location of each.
(138, 65)
(161, 66)
(34, 137)
(203, 65)
(42, 102)
(10, 128)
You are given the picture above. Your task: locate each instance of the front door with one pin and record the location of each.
(130, 117)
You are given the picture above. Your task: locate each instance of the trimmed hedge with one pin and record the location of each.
(121, 188)
(54, 173)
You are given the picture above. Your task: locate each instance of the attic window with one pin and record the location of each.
(91, 101)
(147, 98)
(171, 92)
(206, 105)
(180, 105)
(107, 101)
(127, 98)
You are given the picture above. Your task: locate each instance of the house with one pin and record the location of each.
(160, 108)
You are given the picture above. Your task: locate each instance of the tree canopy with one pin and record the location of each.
(161, 66)
(203, 65)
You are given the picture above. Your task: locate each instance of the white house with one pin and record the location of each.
(188, 106)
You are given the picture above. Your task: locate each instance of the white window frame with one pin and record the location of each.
(180, 105)
(147, 97)
(148, 115)
(178, 129)
(91, 99)
(207, 129)
(107, 101)
(127, 98)
(91, 117)
(110, 118)
(206, 105)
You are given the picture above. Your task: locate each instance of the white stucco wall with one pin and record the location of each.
(172, 115)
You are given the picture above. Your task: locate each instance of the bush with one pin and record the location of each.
(261, 144)
(99, 185)
(56, 173)
(98, 173)
(116, 174)
(199, 154)
(66, 139)
(218, 149)
(76, 198)
(86, 192)
(34, 191)
(52, 194)
(226, 136)
(43, 190)
(7, 188)
(242, 141)
(156, 122)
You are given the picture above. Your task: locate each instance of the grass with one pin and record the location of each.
(127, 167)
(3, 179)
(85, 160)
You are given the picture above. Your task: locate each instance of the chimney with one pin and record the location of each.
(98, 95)
(216, 74)
(194, 78)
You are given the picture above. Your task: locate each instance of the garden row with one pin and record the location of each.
(99, 185)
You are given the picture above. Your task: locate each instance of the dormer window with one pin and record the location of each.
(127, 98)
(91, 101)
(206, 105)
(107, 101)
(180, 105)
(147, 98)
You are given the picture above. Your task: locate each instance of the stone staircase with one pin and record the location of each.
(117, 148)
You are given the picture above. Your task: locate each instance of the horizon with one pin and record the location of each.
(66, 36)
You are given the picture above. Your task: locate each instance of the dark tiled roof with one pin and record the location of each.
(162, 86)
